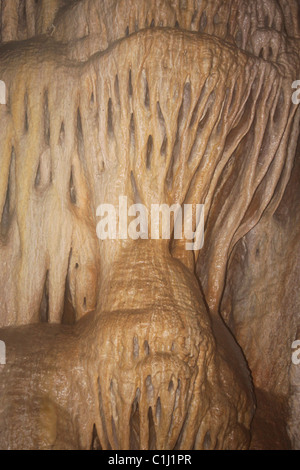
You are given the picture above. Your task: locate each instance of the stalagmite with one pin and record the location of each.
(125, 342)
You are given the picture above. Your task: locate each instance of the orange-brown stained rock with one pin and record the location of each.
(148, 362)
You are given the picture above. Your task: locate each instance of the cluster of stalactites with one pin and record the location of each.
(226, 139)
(259, 27)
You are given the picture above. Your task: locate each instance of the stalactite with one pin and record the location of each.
(164, 102)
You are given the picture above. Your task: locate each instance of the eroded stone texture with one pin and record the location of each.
(162, 102)
(266, 322)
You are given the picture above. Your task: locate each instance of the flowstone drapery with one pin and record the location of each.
(119, 344)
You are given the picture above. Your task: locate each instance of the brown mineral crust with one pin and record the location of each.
(165, 102)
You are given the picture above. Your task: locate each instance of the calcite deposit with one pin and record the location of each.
(125, 344)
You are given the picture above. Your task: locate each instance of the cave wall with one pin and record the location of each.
(167, 102)
(261, 306)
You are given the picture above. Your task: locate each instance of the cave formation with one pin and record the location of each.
(142, 344)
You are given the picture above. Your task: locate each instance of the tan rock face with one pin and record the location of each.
(172, 102)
